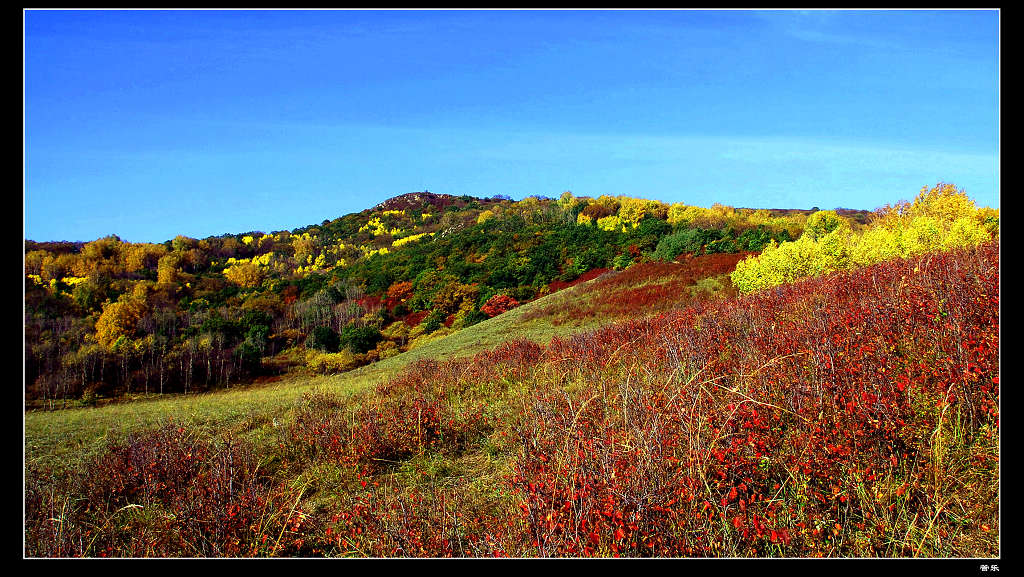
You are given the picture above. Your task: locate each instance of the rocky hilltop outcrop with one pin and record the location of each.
(418, 200)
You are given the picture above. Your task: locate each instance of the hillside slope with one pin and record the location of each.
(109, 319)
(56, 437)
(854, 414)
(513, 381)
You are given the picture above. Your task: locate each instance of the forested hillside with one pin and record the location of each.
(722, 383)
(109, 318)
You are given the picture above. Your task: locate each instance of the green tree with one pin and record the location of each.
(324, 339)
(359, 339)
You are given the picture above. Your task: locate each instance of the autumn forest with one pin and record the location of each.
(444, 375)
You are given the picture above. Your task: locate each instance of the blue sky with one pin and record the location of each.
(149, 124)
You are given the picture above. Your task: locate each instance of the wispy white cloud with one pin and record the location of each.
(825, 27)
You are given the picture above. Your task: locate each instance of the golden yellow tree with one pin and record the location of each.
(139, 256)
(939, 218)
(167, 269)
(245, 274)
(119, 319)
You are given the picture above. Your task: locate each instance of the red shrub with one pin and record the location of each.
(413, 319)
(498, 304)
(166, 492)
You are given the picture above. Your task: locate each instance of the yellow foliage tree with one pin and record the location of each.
(455, 297)
(823, 222)
(139, 256)
(939, 218)
(415, 237)
(305, 246)
(601, 207)
(567, 201)
(609, 223)
(680, 214)
(716, 217)
(484, 216)
(245, 274)
(944, 202)
(327, 363)
(183, 243)
(118, 319)
(167, 269)
(633, 210)
(34, 261)
(108, 247)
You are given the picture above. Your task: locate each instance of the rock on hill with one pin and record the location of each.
(418, 200)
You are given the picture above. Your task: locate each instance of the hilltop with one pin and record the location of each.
(426, 201)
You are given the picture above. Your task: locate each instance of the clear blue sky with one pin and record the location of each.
(149, 124)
